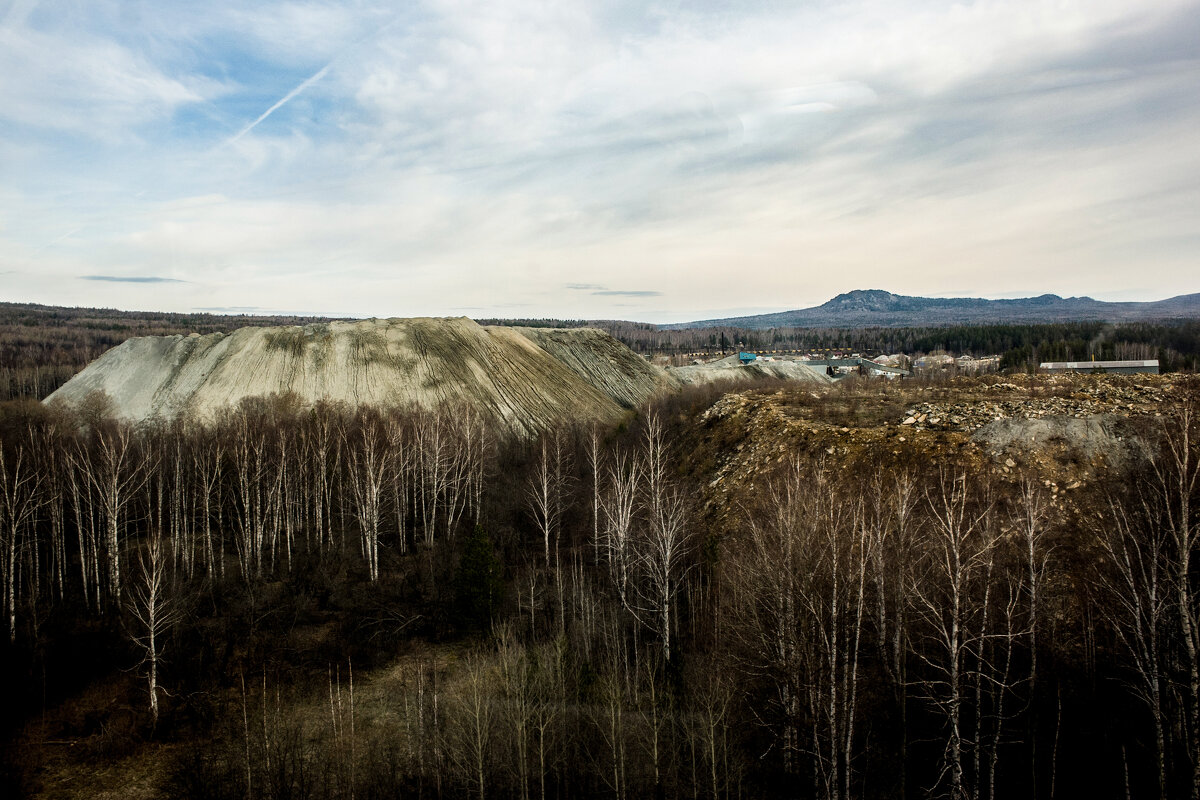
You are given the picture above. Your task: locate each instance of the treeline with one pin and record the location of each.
(41, 347)
(875, 629)
(1022, 347)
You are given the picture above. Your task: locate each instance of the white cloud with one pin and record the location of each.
(86, 85)
(456, 155)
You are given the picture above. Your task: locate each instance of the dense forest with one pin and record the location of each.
(340, 602)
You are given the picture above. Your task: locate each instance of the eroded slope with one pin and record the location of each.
(426, 361)
(604, 362)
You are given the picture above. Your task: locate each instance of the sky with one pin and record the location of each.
(659, 162)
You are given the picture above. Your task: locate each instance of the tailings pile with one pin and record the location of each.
(504, 373)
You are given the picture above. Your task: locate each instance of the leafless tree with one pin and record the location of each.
(663, 547)
(663, 559)
(433, 465)
(516, 707)
(54, 467)
(595, 457)
(369, 467)
(619, 507)
(323, 452)
(400, 473)
(1136, 597)
(891, 526)
(342, 717)
(1175, 477)
(800, 585)
(547, 485)
(948, 598)
(20, 496)
(656, 706)
(708, 723)
(115, 474)
(610, 715)
(465, 465)
(548, 702)
(81, 496)
(208, 455)
(155, 608)
(1030, 519)
(471, 722)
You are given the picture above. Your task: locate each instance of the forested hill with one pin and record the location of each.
(876, 308)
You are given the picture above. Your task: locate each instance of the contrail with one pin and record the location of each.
(56, 241)
(286, 98)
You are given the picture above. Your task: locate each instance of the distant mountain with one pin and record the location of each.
(864, 308)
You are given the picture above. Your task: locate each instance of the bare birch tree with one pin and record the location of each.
(1174, 482)
(708, 724)
(619, 507)
(471, 723)
(947, 599)
(400, 469)
(663, 546)
(208, 455)
(155, 609)
(1136, 602)
(517, 705)
(115, 473)
(800, 585)
(891, 525)
(547, 485)
(20, 485)
(1030, 520)
(370, 463)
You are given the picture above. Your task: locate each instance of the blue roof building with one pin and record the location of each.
(746, 358)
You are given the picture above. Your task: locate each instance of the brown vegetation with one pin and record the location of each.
(777, 591)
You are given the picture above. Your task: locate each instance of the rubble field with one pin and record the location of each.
(1036, 397)
(1063, 430)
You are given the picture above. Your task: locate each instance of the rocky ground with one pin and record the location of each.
(1064, 432)
(732, 372)
(1035, 397)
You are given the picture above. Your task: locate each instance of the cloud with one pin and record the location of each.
(130, 279)
(230, 309)
(530, 156)
(87, 85)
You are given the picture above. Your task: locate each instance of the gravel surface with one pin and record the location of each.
(582, 374)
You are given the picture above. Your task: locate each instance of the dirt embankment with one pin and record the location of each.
(505, 373)
(1066, 435)
(730, 371)
(970, 405)
(604, 362)
(525, 379)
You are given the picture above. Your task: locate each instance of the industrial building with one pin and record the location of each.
(1116, 367)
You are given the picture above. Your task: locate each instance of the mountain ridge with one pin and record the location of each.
(862, 308)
